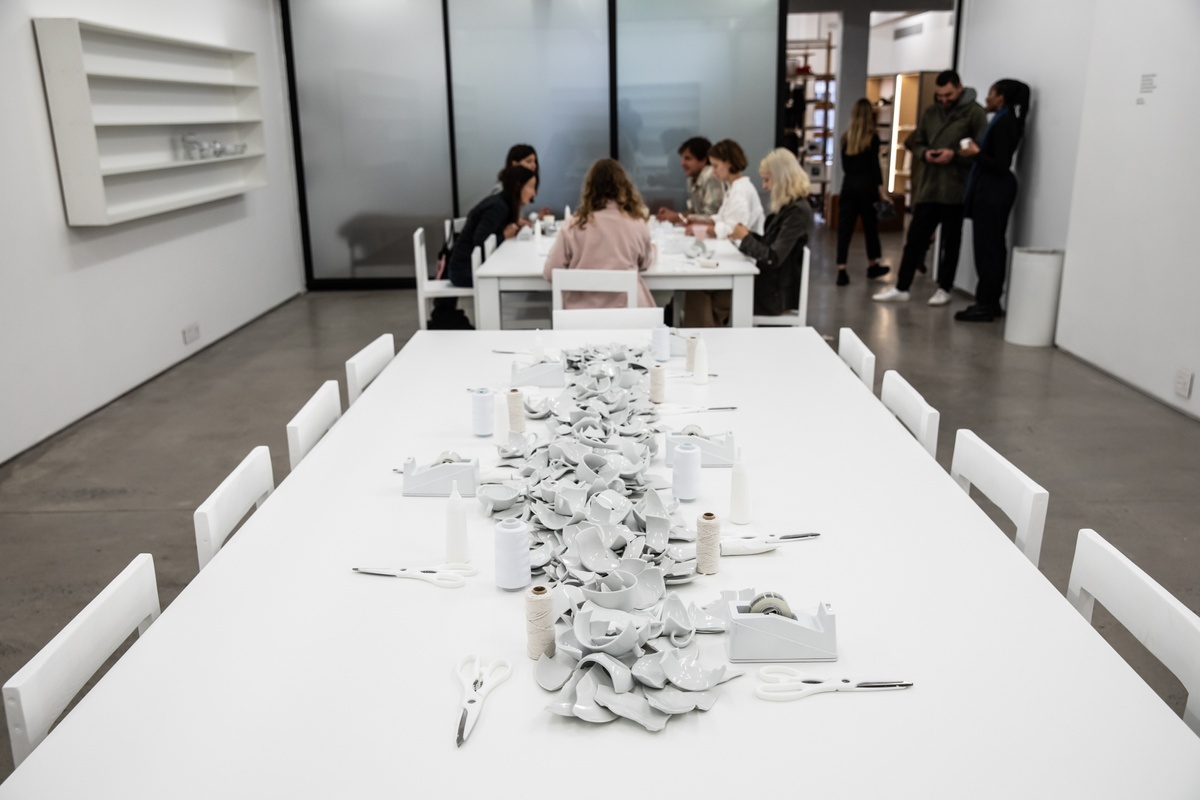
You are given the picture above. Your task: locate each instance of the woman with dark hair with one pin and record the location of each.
(522, 155)
(607, 231)
(498, 214)
(991, 191)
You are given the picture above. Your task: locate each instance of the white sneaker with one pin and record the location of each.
(940, 298)
(892, 295)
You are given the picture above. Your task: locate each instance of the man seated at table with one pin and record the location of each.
(705, 190)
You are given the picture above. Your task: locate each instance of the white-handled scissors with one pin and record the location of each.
(477, 679)
(447, 576)
(785, 683)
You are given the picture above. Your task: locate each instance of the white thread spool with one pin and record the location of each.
(739, 493)
(661, 343)
(700, 363)
(512, 555)
(685, 475)
(458, 549)
(539, 622)
(516, 411)
(691, 353)
(708, 544)
(483, 412)
(658, 383)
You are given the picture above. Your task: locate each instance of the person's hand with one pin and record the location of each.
(939, 156)
(740, 231)
(970, 149)
(667, 215)
(524, 223)
(545, 211)
(510, 230)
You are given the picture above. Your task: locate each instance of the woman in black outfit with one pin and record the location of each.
(497, 214)
(862, 185)
(779, 251)
(991, 191)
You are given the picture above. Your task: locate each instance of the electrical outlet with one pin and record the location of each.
(1183, 382)
(191, 333)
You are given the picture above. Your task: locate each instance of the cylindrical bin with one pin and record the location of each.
(1033, 288)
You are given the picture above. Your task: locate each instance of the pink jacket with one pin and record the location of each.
(611, 240)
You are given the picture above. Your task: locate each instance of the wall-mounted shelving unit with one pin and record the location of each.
(120, 102)
(819, 86)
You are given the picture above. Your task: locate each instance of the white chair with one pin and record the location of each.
(911, 409)
(856, 354)
(489, 246)
(427, 288)
(798, 317)
(576, 319)
(453, 229)
(616, 281)
(1167, 628)
(247, 486)
(38, 693)
(1022, 501)
(365, 365)
(312, 421)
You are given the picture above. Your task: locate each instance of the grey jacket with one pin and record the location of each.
(779, 255)
(942, 127)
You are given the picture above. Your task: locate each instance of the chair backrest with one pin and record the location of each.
(248, 485)
(38, 693)
(1167, 628)
(420, 259)
(911, 409)
(805, 268)
(575, 319)
(476, 261)
(594, 280)
(856, 354)
(489, 246)
(1023, 501)
(366, 365)
(312, 421)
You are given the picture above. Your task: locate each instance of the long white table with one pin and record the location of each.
(516, 266)
(280, 673)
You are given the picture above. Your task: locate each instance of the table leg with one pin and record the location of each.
(487, 304)
(742, 313)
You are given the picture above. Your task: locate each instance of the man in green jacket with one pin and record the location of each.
(954, 116)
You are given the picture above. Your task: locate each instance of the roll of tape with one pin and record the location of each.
(771, 603)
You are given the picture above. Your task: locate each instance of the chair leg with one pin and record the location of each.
(423, 309)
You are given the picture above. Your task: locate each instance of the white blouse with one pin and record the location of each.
(742, 205)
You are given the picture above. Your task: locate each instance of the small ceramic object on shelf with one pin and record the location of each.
(673, 700)
(552, 673)
(586, 708)
(619, 675)
(632, 706)
(688, 674)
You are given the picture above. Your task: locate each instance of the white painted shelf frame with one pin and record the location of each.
(120, 104)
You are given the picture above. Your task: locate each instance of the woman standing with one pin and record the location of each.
(991, 192)
(779, 251)
(607, 231)
(862, 185)
(741, 206)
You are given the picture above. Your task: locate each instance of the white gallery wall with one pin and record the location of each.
(88, 313)
(1129, 298)
(925, 43)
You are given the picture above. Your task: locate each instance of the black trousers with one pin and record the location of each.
(857, 201)
(925, 220)
(990, 205)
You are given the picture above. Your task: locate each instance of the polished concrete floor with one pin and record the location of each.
(75, 509)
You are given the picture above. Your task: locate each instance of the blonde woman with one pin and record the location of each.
(862, 185)
(607, 231)
(779, 250)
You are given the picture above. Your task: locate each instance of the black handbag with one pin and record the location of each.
(884, 210)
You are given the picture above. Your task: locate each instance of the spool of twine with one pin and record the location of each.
(516, 411)
(658, 383)
(708, 544)
(539, 622)
(691, 353)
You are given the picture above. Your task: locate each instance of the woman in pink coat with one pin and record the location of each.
(607, 231)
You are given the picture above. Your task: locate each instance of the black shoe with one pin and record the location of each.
(877, 271)
(976, 314)
(843, 278)
(999, 312)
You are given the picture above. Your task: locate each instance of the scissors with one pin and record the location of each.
(785, 683)
(477, 679)
(446, 576)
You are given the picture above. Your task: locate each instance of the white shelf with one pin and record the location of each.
(118, 102)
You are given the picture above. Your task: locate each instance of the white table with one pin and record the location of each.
(516, 266)
(279, 673)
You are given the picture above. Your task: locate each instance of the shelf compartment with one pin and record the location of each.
(153, 166)
(129, 53)
(141, 194)
(116, 76)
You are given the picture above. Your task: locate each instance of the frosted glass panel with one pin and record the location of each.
(371, 92)
(693, 68)
(530, 71)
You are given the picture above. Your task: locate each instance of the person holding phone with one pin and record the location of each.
(954, 116)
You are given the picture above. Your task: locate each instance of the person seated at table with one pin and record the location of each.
(741, 206)
(779, 251)
(520, 155)
(704, 188)
(497, 214)
(607, 231)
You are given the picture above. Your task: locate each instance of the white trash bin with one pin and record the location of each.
(1033, 288)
